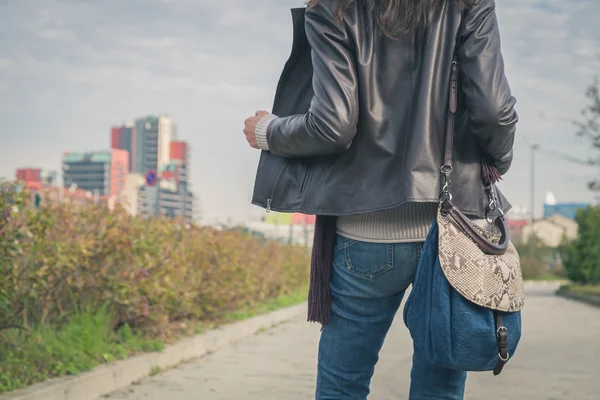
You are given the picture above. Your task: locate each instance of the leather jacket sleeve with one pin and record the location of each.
(330, 124)
(484, 85)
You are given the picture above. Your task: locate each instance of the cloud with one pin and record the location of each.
(57, 34)
(71, 69)
(6, 63)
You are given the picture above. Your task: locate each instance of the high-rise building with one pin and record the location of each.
(166, 198)
(175, 170)
(153, 135)
(129, 199)
(151, 144)
(178, 165)
(30, 176)
(171, 196)
(123, 137)
(48, 177)
(179, 151)
(36, 178)
(101, 173)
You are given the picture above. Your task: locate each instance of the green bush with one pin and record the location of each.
(582, 256)
(533, 268)
(536, 260)
(151, 277)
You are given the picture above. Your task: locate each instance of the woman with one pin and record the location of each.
(356, 137)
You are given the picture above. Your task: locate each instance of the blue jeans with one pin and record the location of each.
(368, 281)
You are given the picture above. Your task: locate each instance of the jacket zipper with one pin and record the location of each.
(270, 199)
(268, 205)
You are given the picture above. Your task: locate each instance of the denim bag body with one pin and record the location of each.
(448, 329)
(464, 310)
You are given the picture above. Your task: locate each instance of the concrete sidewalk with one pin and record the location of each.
(559, 358)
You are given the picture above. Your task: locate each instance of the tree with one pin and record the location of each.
(582, 256)
(589, 128)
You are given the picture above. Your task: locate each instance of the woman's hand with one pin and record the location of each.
(250, 128)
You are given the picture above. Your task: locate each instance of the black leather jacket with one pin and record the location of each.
(362, 121)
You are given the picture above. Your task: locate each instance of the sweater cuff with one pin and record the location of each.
(261, 131)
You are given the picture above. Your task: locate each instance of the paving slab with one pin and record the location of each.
(558, 359)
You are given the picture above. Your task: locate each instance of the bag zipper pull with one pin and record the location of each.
(268, 205)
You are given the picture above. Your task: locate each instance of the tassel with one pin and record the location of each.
(319, 293)
(489, 173)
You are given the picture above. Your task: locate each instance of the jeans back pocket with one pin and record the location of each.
(369, 260)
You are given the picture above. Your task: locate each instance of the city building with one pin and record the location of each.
(123, 138)
(516, 219)
(129, 198)
(569, 210)
(48, 177)
(36, 178)
(101, 173)
(551, 231)
(168, 198)
(179, 151)
(152, 143)
(293, 228)
(299, 234)
(152, 148)
(177, 169)
(30, 177)
(171, 196)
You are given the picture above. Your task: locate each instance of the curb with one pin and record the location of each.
(108, 378)
(591, 301)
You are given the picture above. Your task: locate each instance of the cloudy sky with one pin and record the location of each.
(69, 69)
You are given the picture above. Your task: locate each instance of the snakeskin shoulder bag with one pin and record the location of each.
(464, 310)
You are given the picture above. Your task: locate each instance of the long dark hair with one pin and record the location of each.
(394, 16)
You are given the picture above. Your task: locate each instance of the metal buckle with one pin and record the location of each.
(504, 359)
(500, 329)
(446, 195)
(491, 192)
(492, 220)
(493, 204)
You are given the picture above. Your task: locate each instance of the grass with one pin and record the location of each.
(588, 294)
(588, 290)
(87, 339)
(283, 301)
(546, 277)
(82, 342)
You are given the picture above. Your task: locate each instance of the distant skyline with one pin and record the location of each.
(70, 70)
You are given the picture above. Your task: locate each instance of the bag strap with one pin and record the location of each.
(452, 105)
(446, 169)
(502, 339)
(448, 208)
(489, 174)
